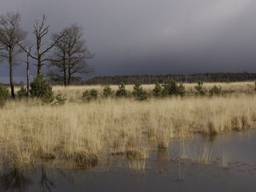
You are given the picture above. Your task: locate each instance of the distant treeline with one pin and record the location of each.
(190, 78)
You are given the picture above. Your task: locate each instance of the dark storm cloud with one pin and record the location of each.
(155, 36)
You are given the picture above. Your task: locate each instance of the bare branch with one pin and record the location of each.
(27, 50)
(53, 44)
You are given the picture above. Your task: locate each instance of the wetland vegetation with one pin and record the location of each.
(72, 131)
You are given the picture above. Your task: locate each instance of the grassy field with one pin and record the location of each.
(86, 132)
(75, 92)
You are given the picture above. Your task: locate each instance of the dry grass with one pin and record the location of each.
(75, 92)
(88, 132)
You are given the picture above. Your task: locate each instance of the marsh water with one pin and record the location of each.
(224, 163)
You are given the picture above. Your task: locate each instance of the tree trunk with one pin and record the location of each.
(65, 77)
(28, 74)
(39, 63)
(64, 70)
(39, 66)
(11, 72)
(69, 75)
(69, 69)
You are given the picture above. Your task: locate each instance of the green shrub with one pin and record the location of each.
(121, 92)
(199, 88)
(172, 88)
(89, 95)
(22, 92)
(41, 89)
(157, 91)
(4, 92)
(4, 95)
(215, 90)
(107, 91)
(139, 93)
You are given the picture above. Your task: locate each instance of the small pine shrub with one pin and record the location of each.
(157, 91)
(121, 92)
(4, 92)
(107, 91)
(139, 93)
(41, 89)
(94, 93)
(215, 90)
(22, 92)
(89, 95)
(4, 95)
(172, 88)
(200, 89)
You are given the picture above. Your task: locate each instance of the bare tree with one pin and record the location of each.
(59, 60)
(70, 55)
(11, 35)
(28, 69)
(40, 31)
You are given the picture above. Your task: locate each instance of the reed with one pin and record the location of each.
(31, 132)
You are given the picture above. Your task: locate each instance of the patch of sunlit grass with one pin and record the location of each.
(31, 132)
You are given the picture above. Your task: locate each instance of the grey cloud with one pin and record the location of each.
(155, 36)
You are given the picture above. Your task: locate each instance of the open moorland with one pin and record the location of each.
(79, 129)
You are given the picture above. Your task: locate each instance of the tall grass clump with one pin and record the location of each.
(59, 99)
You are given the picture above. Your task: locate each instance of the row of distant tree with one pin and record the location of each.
(64, 53)
(191, 78)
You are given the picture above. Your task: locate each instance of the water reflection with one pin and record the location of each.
(46, 184)
(162, 161)
(227, 163)
(15, 180)
(137, 165)
(20, 180)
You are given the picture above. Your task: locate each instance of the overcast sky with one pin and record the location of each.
(154, 36)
